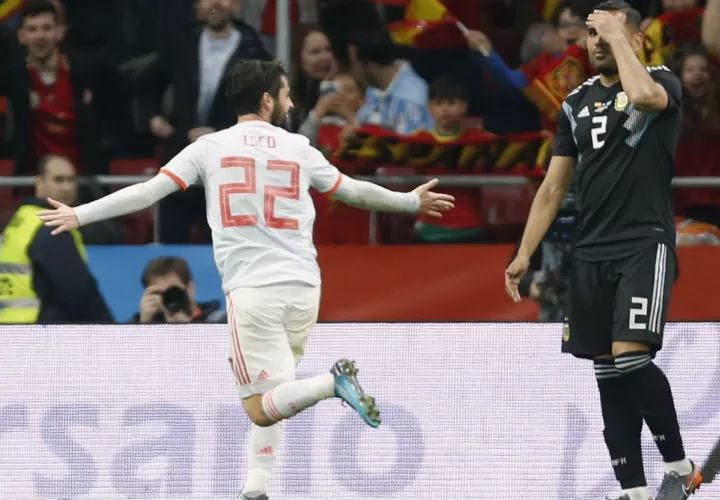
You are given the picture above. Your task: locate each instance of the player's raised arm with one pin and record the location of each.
(179, 173)
(327, 179)
(620, 30)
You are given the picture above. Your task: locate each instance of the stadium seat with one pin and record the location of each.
(139, 225)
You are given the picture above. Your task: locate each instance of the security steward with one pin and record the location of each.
(44, 278)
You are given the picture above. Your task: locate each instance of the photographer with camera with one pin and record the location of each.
(170, 295)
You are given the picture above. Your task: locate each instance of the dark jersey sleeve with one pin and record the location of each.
(564, 144)
(670, 83)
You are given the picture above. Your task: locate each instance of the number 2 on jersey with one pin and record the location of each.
(250, 187)
(597, 131)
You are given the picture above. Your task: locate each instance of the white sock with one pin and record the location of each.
(681, 467)
(263, 446)
(639, 493)
(290, 398)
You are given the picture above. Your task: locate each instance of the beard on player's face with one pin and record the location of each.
(607, 69)
(278, 114)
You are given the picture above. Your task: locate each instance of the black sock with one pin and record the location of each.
(650, 385)
(623, 425)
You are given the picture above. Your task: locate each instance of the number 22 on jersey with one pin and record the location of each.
(249, 187)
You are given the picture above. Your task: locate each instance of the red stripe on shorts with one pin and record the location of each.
(243, 376)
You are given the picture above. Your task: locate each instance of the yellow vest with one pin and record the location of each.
(19, 304)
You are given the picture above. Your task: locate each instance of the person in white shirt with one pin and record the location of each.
(256, 178)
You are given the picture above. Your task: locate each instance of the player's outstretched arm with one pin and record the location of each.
(544, 209)
(125, 201)
(369, 196)
(711, 26)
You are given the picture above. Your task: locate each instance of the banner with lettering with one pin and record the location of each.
(474, 411)
(476, 151)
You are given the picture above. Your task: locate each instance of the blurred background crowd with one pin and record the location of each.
(388, 88)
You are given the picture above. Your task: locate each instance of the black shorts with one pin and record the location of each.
(619, 300)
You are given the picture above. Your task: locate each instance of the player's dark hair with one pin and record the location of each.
(374, 46)
(447, 88)
(248, 80)
(34, 8)
(162, 266)
(632, 16)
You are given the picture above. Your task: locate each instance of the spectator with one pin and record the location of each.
(699, 144)
(169, 295)
(334, 115)
(312, 63)
(261, 15)
(54, 96)
(195, 65)
(45, 278)
(552, 75)
(464, 224)
(540, 38)
(396, 97)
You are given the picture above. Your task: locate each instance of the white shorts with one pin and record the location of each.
(269, 327)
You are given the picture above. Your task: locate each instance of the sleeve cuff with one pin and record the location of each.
(174, 177)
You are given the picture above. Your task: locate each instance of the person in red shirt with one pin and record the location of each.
(54, 95)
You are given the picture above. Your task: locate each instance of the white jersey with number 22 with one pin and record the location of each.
(256, 178)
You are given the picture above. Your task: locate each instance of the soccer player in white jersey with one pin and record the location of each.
(256, 177)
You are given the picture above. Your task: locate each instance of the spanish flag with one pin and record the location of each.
(668, 31)
(429, 25)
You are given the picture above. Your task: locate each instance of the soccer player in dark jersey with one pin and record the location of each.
(616, 140)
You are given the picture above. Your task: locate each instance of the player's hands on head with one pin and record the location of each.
(514, 273)
(608, 26)
(431, 203)
(62, 218)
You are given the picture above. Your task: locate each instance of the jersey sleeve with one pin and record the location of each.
(564, 144)
(186, 167)
(671, 84)
(324, 176)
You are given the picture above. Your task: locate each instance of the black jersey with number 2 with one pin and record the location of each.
(624, 166)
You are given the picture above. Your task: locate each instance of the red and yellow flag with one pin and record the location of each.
(427, 24)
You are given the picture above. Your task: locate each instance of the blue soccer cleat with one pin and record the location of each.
(348, 389)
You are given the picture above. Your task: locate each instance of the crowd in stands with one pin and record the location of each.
(119, 87)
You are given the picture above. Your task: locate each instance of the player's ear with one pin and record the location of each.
(636, 41)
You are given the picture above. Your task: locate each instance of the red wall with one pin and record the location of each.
(465, 282)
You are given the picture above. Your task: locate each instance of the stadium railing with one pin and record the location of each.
(384, 180)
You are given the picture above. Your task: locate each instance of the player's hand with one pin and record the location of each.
(150, 304)
(161, 128)
(63, 218)
(478, 41)
(433, 204)
(195, 133)
(513, 274)
(609, 27)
